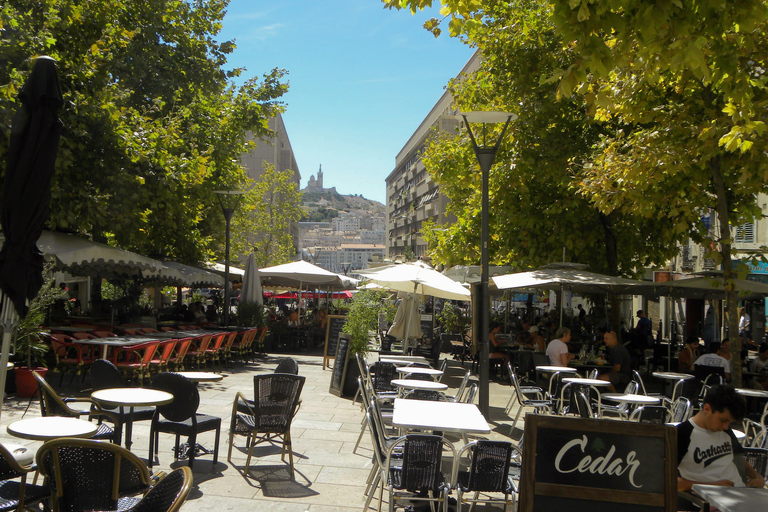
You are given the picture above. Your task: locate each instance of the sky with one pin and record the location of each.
(361, 78)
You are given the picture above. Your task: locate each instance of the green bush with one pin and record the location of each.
(363, 317)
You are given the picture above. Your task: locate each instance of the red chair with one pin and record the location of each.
(103, 334)
(70, 355)
(162, 357)
(197, 350)
(176, 362)
(167, 329)
(229, 342)
(148, 330)
(82, 335)
(134, 361)
(244, 345)
(215, 349)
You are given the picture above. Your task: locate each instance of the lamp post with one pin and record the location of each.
(229, 200)
(485, 153)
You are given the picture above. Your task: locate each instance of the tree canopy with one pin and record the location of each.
(153, 123)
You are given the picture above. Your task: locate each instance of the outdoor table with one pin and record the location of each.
(202, 376)
(554, 369)
(422, 371)
(405, 359)
(69, 328)
(752, 393)
(584, 366)
(418, 384)
(631, 399)
(453, 417)
(51, 427)
(117, 341)
(671, 376)
(131, 397)
(733, 499)
(582, 384)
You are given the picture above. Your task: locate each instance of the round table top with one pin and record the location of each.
(672, 375)
(418, 369)
(202, 376)
(419, 384)
(51, 427)
(630, 398)
(553, 369)
(131, 397)
(586, 382)
(756, 393)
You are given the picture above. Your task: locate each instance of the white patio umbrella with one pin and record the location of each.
(417, 278)
(407, 322)
(235, 274)
(251, 291)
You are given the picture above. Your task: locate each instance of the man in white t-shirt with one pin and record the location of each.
(716, 358)
(707, 450)
(557, 350)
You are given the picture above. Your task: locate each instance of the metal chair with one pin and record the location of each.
(469, 396)
(15, 493)
(538, 405)
(169, 494)
(180, 417)
(51, 404)
(622, 410)
(276, 401)
(656, 414)
(85, 475)
(681, 410)
(494, 468)
(583, 407)
(758, 459)
(527, 391)
(463, 386)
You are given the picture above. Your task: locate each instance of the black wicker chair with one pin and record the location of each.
(169, 494)
(15, 493)
(275, 403)
(105, 375)
(288, 365)
(382, 374)
(758, 459)
(181, 418)
(51, 404)
(85, 475)
(426, 394)
(414, 470)
(494, 468)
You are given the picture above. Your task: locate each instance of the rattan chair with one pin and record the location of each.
(494, 468)
(51, 404)
(169, 494)
(180, 417)
(15, 493)
(275, 403)
(85, 475)
(288, 365)
(382, 373)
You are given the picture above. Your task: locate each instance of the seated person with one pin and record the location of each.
(716, 358)
(557, 350)
(688, 355)
(707, 450)
(620, 363)
(536, 341)
(759, 366)
(495, 328)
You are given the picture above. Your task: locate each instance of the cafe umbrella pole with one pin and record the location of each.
(485, 154)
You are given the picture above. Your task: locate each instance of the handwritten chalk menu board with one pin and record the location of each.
(332, 331)
(598, 465)
(426, 326)
(340, 365)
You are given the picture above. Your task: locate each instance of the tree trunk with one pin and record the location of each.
(611, 258)
(731, 298)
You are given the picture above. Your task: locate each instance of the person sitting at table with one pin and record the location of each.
(620, 363)
(536, 341)
(495, 328)
(557, 350)
(716, 358)
(708, 451)
(688, 355)
(759, 366)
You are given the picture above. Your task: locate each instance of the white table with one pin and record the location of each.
(407, 370)
(672, 375)
(631, 399)
(752, 393)
(51, 427)
(131, 397)
(202, 376)
(405, 359)
(585, 382)
(733, 499)
(555, 369)
(439, 416)
(419, 384)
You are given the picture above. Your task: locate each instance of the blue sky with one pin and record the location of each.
(361, 77)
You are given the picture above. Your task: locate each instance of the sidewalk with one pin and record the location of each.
(329, 477)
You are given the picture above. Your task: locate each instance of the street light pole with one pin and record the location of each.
(228, 206)
(485, 154)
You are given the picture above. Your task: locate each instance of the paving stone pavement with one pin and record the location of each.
(328, 477)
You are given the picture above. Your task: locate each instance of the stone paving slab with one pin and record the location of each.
(329, 476)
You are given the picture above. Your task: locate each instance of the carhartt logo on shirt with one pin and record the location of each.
(712, 453)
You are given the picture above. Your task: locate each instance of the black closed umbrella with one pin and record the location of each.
(35, 133)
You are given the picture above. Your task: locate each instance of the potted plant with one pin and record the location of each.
(31, 339)
(363, 317)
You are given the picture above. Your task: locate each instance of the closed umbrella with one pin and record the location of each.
(407, 322)
(252, 291)
(35, 133)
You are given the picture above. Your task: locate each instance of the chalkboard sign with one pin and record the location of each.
(340, 365)
(332, 331)
(426, 326)
(598, 465)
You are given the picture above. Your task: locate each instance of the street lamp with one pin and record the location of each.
(229, 200)
(486, 154)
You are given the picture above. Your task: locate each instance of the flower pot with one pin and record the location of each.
(26, 385)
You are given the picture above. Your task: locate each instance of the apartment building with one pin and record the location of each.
(412, 197)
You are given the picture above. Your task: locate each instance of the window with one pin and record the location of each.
(745, 232)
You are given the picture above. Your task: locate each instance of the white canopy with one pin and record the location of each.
(417, 278)
(299, 273)
(711, 288)
(80, 256)
(235, 274)
(178, 274)
(570, 279)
